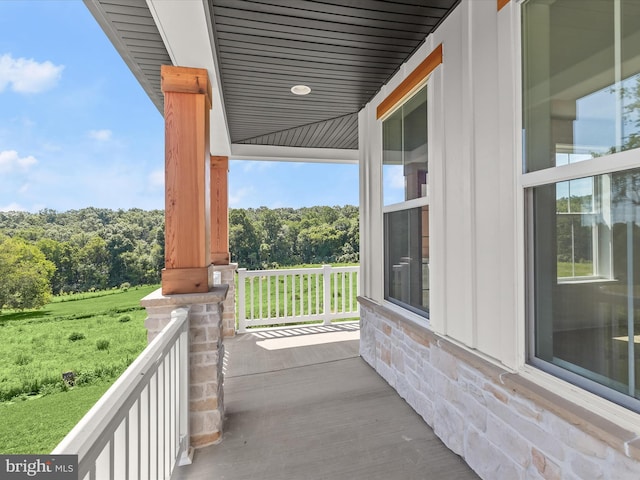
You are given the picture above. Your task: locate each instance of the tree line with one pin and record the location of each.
(269, 238)
(52, 252)
(77, 251)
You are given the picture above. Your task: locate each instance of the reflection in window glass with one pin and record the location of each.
(581, 100)
(407, 258)
(630, 72)
(404, 159)
(392, 171)
(575, 228)
(591, 326)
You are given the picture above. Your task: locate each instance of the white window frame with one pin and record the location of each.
(417, 318)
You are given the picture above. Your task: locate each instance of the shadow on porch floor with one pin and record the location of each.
(301, 404)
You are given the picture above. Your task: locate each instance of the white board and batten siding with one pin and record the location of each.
(473, 168)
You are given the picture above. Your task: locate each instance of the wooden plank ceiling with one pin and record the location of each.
(133, 32)
(344, 50)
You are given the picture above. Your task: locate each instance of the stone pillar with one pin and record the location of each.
(206, 395)
(227, 275)
(187, 105)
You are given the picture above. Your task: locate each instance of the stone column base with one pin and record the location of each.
(227, 274)
(206, 406)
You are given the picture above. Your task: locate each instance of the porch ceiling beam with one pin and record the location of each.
(184, 29)
(293, 154)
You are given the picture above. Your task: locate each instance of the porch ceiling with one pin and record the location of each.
(344, 51)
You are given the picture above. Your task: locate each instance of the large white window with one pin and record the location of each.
(406, 205)
(581, 115)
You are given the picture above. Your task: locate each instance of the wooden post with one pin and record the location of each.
(187, 102)
(219, 211)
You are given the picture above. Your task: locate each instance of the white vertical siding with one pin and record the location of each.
(371, 231)
(510, 209)
(490, 231)
(458, 188)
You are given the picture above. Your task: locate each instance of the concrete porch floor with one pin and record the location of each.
(301, 404)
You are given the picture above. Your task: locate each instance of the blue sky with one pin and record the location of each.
(76, 129)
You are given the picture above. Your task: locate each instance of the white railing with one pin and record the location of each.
(139, 429)
(275, 297)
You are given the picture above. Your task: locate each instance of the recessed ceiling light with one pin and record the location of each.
(300, 90)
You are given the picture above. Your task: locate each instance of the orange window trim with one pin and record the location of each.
(502, 3)
(421, 72)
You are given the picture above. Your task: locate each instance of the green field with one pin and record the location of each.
(37, 425)
(95, 336)
(567, 269)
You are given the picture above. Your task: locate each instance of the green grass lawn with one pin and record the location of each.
(83, 304)
(95, 336)
(37, 425)
(566, 269)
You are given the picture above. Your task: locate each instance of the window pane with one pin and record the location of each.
(407, 258)
(588, 321)
(581, 80)
(392, 171)
(415, 145)
(405, 151)
(630, 46)
(575, 228)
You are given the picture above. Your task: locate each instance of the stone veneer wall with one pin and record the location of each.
(227, 276)
(206, 396)
(504, 426)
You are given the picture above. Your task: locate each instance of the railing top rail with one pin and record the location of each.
(92, 426)
(280, 271)
(295, 271)
(349, 268)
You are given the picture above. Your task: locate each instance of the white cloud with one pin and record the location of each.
(100, 135)
(24, 188)
(12, 207)
(238, 195)
(394, 184)
(255, 166)
(10, 160)
(28, 76)
(156, 178)
(395, 177)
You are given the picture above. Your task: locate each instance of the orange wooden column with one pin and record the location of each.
(187, 103)
(219, 210)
